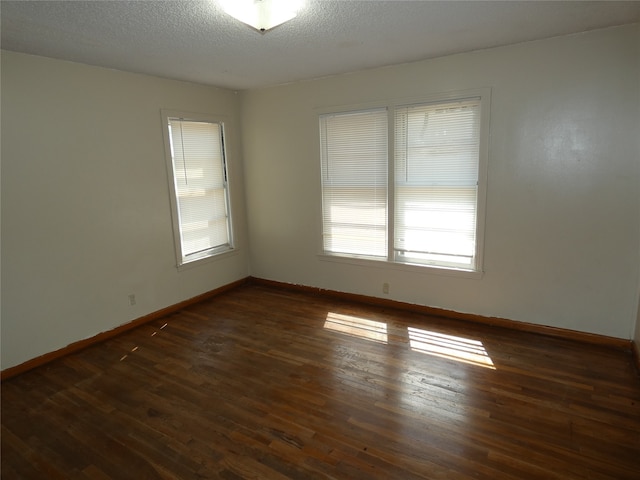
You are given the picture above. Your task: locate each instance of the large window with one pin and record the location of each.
(412, 193)
(197, 169)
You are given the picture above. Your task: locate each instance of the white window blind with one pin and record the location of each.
(436, 183)
(199, 173)
(354, 182)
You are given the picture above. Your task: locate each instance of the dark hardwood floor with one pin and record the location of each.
(264, 383)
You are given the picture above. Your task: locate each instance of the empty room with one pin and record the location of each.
(320, 239)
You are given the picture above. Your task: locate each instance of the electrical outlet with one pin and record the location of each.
(385, 287)
(132, 299)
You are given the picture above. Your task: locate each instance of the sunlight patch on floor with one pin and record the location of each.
(449, 346)
(357, 327)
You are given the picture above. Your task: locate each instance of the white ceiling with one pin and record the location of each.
(195, 40)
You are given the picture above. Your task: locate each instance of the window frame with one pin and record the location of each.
(220, 251)
(484, 96)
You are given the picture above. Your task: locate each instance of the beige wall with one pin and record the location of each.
(563, 207)
(637, 326)
(85, 208)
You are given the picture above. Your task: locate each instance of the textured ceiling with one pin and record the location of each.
(196, 41)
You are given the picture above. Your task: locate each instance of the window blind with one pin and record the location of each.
(436, 182)
(200, 182)
(354, 153)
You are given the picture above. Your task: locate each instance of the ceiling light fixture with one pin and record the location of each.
(262, 15)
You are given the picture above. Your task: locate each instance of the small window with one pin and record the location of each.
(354, 182)
(436, 183)
(197, 168)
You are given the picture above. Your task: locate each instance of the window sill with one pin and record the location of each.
(196, 262)
(405, 267)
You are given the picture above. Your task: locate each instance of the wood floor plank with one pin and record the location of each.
(265, 383)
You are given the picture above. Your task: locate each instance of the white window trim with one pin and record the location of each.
(215, 253)
(404, 267)
(483, 164)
